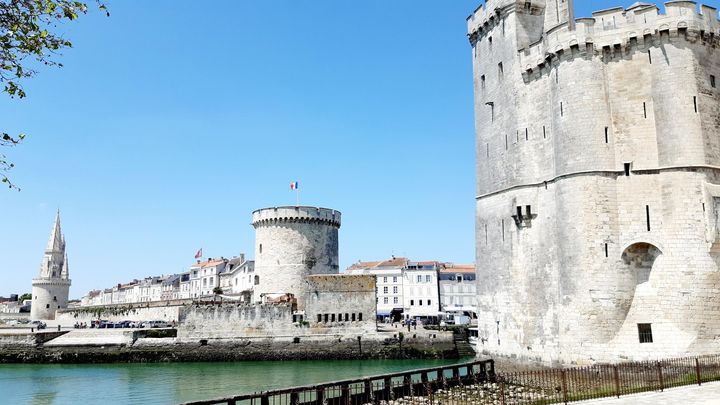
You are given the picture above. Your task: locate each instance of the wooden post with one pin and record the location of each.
(660, 376)
(387, 388)
(502, 392)
(320, 396)
(697, 370)
(616, 374)
(368, 391)
(345, 394)
(564, 386)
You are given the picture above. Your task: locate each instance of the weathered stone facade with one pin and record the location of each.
(598, 165)
(292, 243)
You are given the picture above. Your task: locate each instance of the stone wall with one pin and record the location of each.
(344, 303)
(604, 246)
(144, 312)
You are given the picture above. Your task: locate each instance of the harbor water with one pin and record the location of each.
(171, 383)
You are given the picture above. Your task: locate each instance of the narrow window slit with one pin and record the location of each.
(695, 103)
(526, 134)
(647, 216)
(606, 250)
(544, 134)
(606, 134)
(644, 110)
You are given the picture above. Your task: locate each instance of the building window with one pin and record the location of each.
(395, 279)
(428, 278)
(419, 279)
(412, 302)
(501, 71)
(360, 316)
(459, 278)
(712, 81)
(395, 290)
(420, 302)
(429, 302)
(645, 332)
(395, 300)
(385, 300)
(384, 279)
(385, 290)
(47, 306)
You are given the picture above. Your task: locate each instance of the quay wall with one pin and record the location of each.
(247, 349)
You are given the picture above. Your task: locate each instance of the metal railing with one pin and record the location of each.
(477, 383)
(422, 383)
(600, 381)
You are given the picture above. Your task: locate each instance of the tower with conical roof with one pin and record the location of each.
(51, 288)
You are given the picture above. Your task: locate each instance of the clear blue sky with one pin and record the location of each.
(173, 120)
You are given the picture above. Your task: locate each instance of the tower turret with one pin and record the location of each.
(51, 288)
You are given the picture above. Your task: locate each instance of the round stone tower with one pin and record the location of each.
(290, 244)
(51, 288)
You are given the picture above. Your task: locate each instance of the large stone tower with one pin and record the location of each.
(292, 243)
(598, 180)
(51, 288)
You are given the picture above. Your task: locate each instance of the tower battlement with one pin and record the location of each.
(296, 214)
(618, 29)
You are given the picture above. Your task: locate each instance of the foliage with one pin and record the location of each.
(217, 290)
(28, 39)
(26, 296)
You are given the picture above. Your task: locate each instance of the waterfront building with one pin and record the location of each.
(51, 288)
(238, 278)
(598, 180)
(170, 287)
(405, 289)
(421, 294)
(458, 290)
(389, 281)
(205, 276)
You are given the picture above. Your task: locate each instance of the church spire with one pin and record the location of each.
(55, 243)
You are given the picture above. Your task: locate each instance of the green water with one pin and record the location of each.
(171, 383)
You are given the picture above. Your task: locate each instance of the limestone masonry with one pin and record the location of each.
(51, 288)
(598, 191)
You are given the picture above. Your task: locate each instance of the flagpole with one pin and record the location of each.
(297, 196)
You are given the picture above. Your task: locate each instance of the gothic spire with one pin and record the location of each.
(55, 243)
(65, 274)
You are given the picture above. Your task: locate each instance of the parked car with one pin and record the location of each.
(38, 324)
(155, 324)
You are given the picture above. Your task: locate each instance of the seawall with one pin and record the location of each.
(143, 349)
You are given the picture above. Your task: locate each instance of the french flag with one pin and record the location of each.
(294, 185)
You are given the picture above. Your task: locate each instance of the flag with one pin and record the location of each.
(198, 254)
(294, 185)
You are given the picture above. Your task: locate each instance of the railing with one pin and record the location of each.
(423, 383)
(600, 381)
(477, 384)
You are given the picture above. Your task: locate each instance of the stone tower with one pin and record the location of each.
(598, 180)
(290, 244)
(51, 288)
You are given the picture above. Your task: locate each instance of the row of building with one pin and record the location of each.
(228, 277)
(405, 289)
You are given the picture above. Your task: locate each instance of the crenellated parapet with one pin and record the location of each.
(485, 17)
(617, 30)
(296, 214)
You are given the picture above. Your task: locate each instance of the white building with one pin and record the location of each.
(205, 276)
(238, 276)
(421, 294)
(389, 282)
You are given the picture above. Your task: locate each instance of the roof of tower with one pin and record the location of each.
(55, 243)
(640, 4)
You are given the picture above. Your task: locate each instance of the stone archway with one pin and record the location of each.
(638, 260)
(631, 274)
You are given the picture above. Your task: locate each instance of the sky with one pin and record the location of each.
(170, 123)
